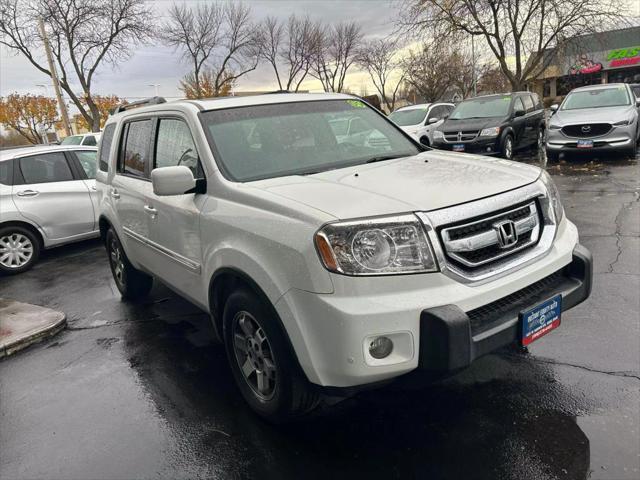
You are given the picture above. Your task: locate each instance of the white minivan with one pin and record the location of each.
(329, 264)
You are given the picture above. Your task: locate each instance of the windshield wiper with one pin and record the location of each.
(381, 158)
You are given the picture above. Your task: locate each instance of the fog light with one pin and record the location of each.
(380, 347)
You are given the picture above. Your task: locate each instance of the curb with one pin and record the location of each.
(11, 346)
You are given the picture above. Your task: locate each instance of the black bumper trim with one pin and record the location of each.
(447, 342)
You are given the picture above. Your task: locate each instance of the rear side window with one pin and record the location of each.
(72, 140)
(135, 154)
(518, 105)
(45, 168)
(174, 146)
(528, 103)
(90, 141)
(105, 147)
(6, 172)
(87, 159)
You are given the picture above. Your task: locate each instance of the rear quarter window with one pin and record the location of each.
(105, 147)
(6, 172)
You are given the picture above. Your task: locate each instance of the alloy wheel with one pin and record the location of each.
(16, 250)
(508, 148)
(117, 261)
(254, 355)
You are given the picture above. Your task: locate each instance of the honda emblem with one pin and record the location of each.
(507, 233)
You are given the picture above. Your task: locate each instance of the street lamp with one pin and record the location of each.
(156, 86)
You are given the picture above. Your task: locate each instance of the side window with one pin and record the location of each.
(528, 103)
(87, 159)
(518, 105)
(174, 146)
(45, 168)
(90, 141)
(6, 172)
(436, 112)
(105, 147)
(135, 153)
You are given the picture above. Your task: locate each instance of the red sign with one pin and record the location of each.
(623, 62)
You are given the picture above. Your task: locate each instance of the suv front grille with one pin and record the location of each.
(482, 318)
(587, 130)
(492, 237)
(460, 136)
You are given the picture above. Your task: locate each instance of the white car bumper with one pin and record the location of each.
(331, 333)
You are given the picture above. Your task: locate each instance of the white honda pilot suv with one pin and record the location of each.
(327, 261)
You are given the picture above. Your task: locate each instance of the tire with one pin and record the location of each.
(261, 360)
(507, 147)
(132, 283)
(539, 145)
(552, 156)
(19, 249)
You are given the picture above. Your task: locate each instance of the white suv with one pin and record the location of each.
(328, 264)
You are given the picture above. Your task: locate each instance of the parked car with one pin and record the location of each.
(421, 120)
(493, 125)
(88, 139)
(47, 198)
(329, 266)
(595, 118)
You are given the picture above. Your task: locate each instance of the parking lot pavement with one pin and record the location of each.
(141, 391)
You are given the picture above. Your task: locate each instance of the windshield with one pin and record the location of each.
(265, 141)
(411, 116)
(600, 97)
(488, 107)
(73, 140)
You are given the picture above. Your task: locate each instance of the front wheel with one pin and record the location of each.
(507, 147)
(19, 249)
(261, 361)
(131, 282)
(552, 156)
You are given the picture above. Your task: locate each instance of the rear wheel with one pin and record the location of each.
(132, 283)
(261, 361)
(19, 249)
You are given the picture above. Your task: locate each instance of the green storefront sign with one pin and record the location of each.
(623, 53)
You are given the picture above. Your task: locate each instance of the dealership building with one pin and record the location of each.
(607, 57)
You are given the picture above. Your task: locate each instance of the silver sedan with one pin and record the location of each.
(47, 198)
(595, 118)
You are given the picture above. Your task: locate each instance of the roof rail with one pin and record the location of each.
(140, 103)
(279, 91)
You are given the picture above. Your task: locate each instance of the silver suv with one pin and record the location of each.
(595, 118)
(47, 198)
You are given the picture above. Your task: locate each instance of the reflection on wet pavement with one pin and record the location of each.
(141, 390)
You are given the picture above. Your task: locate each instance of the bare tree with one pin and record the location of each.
(427, 71)
(492, 80)
(289, 49)
(197, 32)
(84, 35)
(378, 58)
(221, 38)
(522, 30)
(334, 53)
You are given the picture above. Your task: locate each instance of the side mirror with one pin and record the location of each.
(433, 120)
(168, 181)
(554, 108)
(519, 113)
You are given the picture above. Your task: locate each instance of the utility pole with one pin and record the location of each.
(473, 66)
(54, 79)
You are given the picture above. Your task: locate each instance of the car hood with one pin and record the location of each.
(591, 115)
(452, 125)
(428, 181)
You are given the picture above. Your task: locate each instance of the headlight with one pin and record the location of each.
(554, 196)
(381, 246)
(490, 132)
(438, 134)
(622, 123)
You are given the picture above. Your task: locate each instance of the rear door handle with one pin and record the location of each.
(27, 193)
(150, 210)
(114, 193)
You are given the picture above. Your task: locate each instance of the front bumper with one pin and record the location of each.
(428, 316)
(618, 139)
(480, 145)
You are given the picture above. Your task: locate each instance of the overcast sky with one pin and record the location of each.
(159, 64)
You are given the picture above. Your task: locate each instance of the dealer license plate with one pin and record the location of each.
(585, 144)
(458, 147)
(540, 320)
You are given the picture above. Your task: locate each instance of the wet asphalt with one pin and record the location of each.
(142, 391)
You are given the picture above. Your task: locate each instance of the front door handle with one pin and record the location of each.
(114, 193)
(27, 193)
(150, 210)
